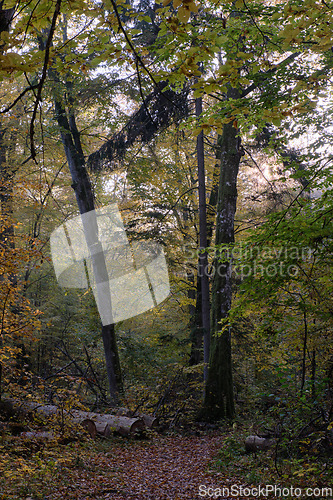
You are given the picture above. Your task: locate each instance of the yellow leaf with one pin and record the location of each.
(193, 7)
(183, 14)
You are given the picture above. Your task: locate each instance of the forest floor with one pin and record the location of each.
(159, 468)
(163, 468)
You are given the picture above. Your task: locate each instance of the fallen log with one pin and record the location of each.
(94, 423)
(124, 412)
(120, 424)
(256, 443)
(89, 425)
(149, 421)
(102, 428)
(14, 408)
(39, 435)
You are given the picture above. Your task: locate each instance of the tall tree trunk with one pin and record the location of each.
(7, 172)
(305, 349)
(219, 395)
(203, 257)
(71, 140)
(85, 199)
(196, 323)
(7, 234)
(196, 313)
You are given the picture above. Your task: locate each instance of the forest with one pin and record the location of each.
(166, 251)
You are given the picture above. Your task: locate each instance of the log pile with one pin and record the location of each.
(96, 424)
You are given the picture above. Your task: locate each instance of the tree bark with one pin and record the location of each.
(196, 321)
(219, 394)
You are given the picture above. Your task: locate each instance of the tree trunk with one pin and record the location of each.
(196, 311)
(85, 199)
(196, 322)
(6, 16)
(219, 395)
(305, 348)
(203, 257)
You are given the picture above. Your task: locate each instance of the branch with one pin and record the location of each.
(267, 74)
(296, 198)
(32, 87)
(59, 371)
(128, 40)
(141, 93)
(140, 124)
(43, 77)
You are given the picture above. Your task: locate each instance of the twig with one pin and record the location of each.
(32, 87)
(141, 93)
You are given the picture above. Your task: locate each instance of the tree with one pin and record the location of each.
(249, 87)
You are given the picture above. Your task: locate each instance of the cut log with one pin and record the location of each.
(122, 425)
(94, 423)
(11, 408)
(88, 425)
(103, 428)
(125, 425)
(256, 443)
(150, 422)
(15, 408)
(124, 412)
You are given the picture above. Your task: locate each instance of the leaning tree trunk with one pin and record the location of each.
(85, 199)
(219, 396)
(71, 140)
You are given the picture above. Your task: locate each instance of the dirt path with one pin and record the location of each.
(164, 468)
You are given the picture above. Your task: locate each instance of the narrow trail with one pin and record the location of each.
(163, 468)
(171, 468)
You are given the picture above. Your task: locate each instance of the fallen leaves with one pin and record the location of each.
(162, 468)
